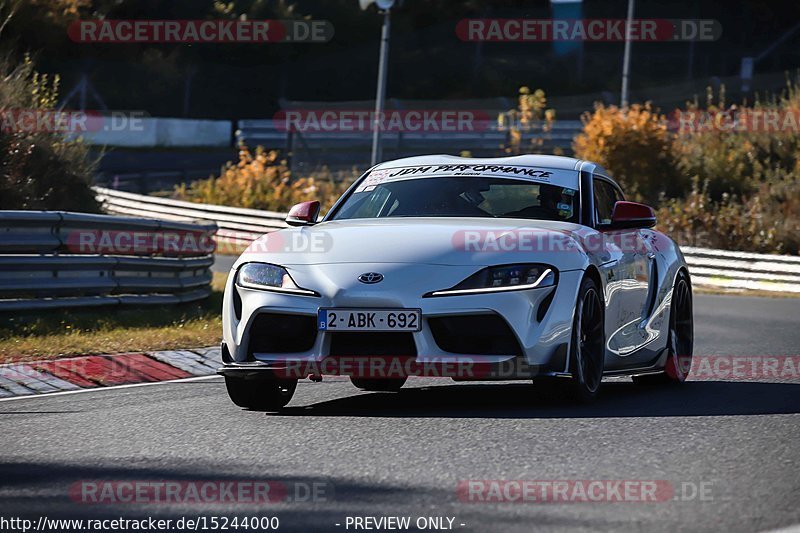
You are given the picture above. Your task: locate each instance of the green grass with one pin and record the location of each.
(62, 333)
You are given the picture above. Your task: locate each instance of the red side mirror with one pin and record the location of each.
(303, 214)
(632, 215)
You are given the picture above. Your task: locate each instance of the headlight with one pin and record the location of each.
(264, 276)
(503, 278)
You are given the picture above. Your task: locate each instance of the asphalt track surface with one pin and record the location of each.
(383, 454)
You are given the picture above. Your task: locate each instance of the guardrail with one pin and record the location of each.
(484, 133)
(236, 225)
(743, 270)
(709, 268)
(53, 259)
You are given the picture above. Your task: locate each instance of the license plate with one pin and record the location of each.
(369, 319)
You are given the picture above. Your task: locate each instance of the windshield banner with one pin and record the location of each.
(563, 178)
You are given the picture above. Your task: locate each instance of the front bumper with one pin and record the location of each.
(543, 338)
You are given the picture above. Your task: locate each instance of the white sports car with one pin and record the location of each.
(526, 267)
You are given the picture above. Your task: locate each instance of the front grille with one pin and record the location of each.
(362, 344)
(282, 333)
(486, 334)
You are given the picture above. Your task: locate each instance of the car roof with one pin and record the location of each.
(555, 162)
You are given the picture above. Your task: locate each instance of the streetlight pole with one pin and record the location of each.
(626, 60)
(381, 94)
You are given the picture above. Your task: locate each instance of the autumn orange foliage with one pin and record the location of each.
(262, 180)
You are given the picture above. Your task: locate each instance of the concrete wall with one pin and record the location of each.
(149, 132)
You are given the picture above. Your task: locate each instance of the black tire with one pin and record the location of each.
(379, 385)
(587, 351)
(265, 394)
(680, 344)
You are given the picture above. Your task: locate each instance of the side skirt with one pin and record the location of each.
(655, 368)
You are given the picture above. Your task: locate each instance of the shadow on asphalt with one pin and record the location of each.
(54, 489)
(618, 399)
(32, 489)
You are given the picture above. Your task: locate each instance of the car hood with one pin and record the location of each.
(431, 241)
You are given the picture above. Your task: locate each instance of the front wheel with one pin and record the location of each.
(587, 350)
(263, 394)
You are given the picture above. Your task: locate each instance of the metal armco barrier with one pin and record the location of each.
(709, 268)
(235, 224)
(743, 270)
(53, 259)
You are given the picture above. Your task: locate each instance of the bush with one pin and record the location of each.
(636, 148)
(263, 181)
(750, 198)
(39, 170)
(748, 224)
(738, 162)
(530, 115)
(719, 187)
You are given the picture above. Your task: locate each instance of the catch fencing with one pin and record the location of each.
(342, 150)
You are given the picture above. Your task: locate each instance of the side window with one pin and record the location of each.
(605, 196)
(373, 205)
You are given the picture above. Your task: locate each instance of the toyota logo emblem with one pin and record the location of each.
(370, 277)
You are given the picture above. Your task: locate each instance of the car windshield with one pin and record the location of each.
(461, 197)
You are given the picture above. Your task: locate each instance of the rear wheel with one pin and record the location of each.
(379, 385)
(587, 351)
(263, 394)
(680, 343)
